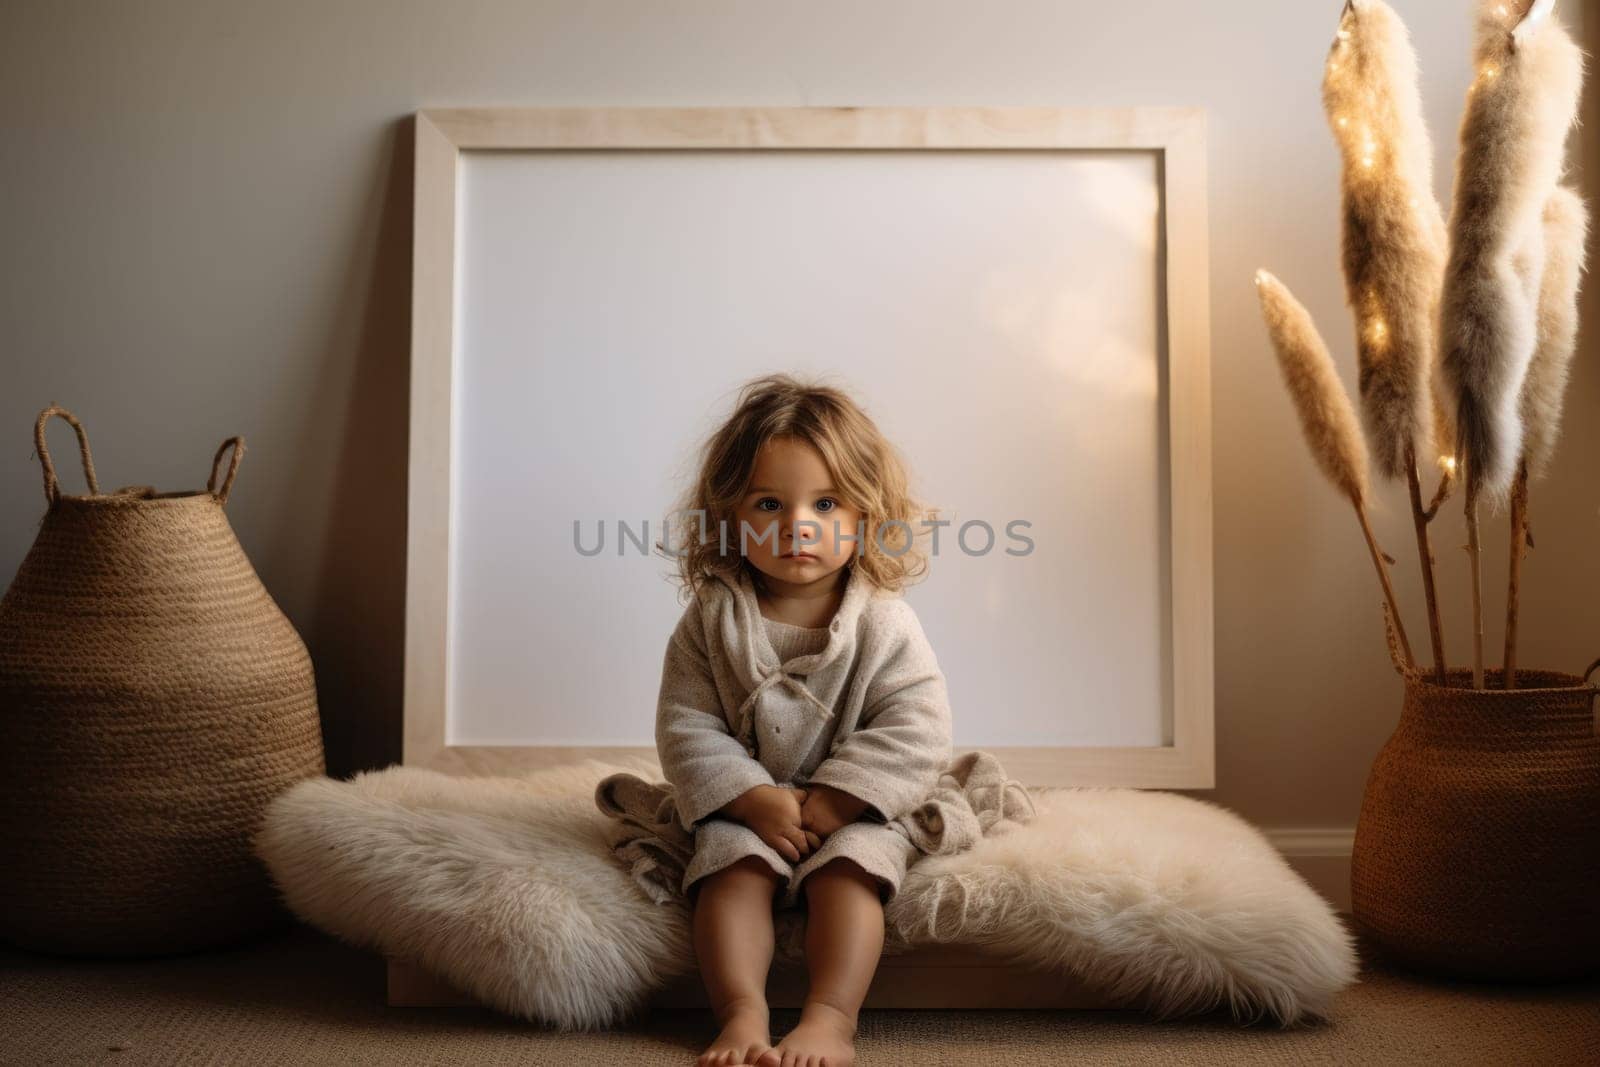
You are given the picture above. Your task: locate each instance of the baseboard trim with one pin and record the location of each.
(1321, 857)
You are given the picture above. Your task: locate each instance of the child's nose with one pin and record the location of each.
(806, 525)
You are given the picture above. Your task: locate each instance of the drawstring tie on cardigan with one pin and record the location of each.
(777, 676)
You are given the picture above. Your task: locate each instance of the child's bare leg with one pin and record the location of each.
(733, 943)
(844, 940)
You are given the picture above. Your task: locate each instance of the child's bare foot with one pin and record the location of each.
(745, 1035)
(823, 1037)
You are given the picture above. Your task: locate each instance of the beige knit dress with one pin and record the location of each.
(860, 705)
(878, 849)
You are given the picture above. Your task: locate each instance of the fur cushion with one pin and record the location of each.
(507, 889)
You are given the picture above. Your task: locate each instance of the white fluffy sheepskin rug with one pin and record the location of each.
(505, 888)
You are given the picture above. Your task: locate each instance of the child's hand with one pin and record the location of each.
(773, 812)
(826, 809)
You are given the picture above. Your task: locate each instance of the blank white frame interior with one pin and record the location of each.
(1173, 138)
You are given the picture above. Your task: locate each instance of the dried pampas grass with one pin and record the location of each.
(1464, 332)
(1513, 139)
(1394, 242)
(1566, 230)
(1444, 439)
(1563, 234)
(1513, 146)
(1394, 250)
(1326, 415)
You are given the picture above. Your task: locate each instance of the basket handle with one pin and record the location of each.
(233, 468)
(52, 487)
(1595, 666)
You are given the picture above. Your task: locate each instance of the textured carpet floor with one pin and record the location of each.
(304, 999)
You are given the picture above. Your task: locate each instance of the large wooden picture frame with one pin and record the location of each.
(1176, 136)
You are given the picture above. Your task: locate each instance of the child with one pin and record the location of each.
(801, 709)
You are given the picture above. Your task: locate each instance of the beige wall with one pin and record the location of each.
(206, 233)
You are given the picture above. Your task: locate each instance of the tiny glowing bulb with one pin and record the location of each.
(1367, 162)
(1343, 122)
(1489, 72)
(1448, 463)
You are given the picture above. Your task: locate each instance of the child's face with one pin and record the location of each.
(792, 502)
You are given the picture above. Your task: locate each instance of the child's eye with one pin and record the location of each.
(824, 504)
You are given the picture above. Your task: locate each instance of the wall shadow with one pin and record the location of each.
(356, 634)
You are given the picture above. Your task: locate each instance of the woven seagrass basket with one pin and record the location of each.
(153, 698)
(1477, 851)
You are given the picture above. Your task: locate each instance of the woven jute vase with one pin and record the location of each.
(153, 699)
(1477, 851)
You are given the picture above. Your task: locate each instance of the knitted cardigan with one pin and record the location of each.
(876, 686)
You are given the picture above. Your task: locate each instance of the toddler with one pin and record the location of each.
(801, 709)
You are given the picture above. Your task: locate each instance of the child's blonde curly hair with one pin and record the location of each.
(867, 471)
